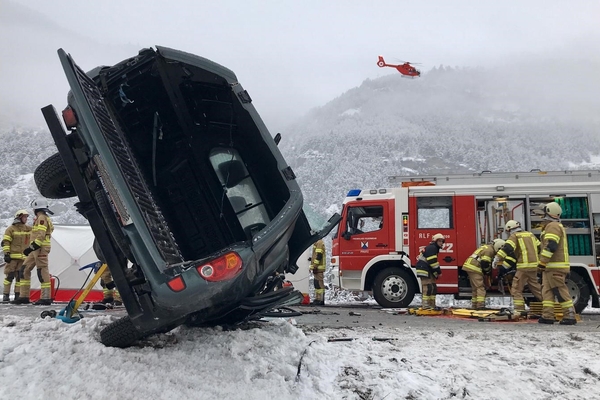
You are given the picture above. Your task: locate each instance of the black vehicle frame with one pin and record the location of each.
(193, 206)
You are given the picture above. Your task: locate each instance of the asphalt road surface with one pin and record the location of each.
(363, 316)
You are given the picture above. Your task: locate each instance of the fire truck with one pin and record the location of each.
(381, 231)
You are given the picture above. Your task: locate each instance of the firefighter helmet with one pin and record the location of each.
(553, 210)
(438, 236)
(512, 224)
(21, 212)
(498, 243)
(39, 204)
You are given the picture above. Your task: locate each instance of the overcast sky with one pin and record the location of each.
(295, 55)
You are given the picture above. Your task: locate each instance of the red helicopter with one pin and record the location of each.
(405, 69)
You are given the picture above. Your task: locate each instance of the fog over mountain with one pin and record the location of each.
(450, 120)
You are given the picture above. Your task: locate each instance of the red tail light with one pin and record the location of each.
(69, 117)
(222, 268)
(176, 284)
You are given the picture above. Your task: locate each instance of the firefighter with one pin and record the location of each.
(15, 240)
(479, 267)
(554, 266)
(428, 269)
(37, 254)
(110, 294)
(520, 249)
(317, 267)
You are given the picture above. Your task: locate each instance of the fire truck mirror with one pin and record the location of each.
(346, 235)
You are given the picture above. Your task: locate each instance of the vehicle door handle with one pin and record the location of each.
(381, 245)
(448, 259)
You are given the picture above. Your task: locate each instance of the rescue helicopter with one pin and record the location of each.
(405, 69)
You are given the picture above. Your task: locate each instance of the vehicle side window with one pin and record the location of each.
(364, 219)
(240, 189)
(434, 212)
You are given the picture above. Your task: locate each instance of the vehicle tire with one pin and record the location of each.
(52, 179)
(121, 333)
(112, 224)
(579, 290)
(394, 288)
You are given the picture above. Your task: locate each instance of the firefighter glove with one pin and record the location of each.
(7, 258)
(437, 272)
(27, 251)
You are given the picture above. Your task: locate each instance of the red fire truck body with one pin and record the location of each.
(382, 230)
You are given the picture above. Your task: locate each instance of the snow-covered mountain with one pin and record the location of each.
(451, 120)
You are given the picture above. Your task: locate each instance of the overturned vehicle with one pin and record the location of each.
(194, 209)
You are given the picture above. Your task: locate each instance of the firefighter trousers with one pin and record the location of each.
(429, 290)
(523, 277)
(39, 259)
(477, 289)
(554, 287)
(11, 271)
(319, 283)
(109, 290)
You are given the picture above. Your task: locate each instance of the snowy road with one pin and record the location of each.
(406, 357)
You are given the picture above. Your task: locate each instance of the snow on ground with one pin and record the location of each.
(48, 359)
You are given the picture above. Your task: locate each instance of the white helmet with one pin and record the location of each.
(552, 210)
(498, 243)
(40, 204)
(21, 212)
(438, 236)
(512, 224)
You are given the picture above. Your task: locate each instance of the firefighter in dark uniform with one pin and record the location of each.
(428, 269)
(521, 247)
(15, 240)
(478, 266)
(317, 267)
(37, 254)
(554, 266)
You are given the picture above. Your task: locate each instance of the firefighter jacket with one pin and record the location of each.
(318, 257)
(42, 230)
(555, 248)
(522, 248)
(481, 260)
(16, 239)
(427, 262)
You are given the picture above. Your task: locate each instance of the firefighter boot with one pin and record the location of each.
(569, 317)
(543, 320)
(5, 298)
(43, 302)
(20, 300)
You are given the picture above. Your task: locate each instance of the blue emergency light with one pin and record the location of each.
(353, 192)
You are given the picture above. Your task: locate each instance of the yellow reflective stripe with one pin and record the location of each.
(5, 249)
(40, 228)
(523, 251)
(526, 266)
(548, 303)
(472, 268)
(21, 233)
(6, 282)
(567, 304)
(17, 256)
(552, 236)
(319, 251)
(431, 257)
(511, 243)
(558, 265)
(486, 258)
(514, 260)
(546, 253)
(25, 282)
(45, 285)
(7, 237)
(422, 273)
(519, 302)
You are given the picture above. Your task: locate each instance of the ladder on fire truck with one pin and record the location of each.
(533, 176)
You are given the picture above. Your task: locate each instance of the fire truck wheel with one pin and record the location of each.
(394, 288)
(579, 290)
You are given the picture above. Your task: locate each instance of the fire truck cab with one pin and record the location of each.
(382, 230)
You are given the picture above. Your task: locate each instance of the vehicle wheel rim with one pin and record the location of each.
(394, 288)
(573, 291)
